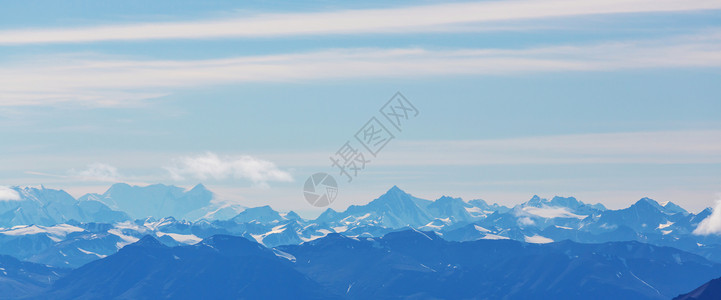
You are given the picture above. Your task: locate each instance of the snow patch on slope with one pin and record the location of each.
(481, 229)
(494, 237)
(188, 239)
(92, 253)
(56, 233)
(285, 255)
(126, 239)
(662, 226)
(537, 239)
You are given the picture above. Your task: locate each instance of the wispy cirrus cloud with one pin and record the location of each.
(389, 20)
(657, 147)
(107, 81)
(653, 147)
(212, 166)
(94, 172)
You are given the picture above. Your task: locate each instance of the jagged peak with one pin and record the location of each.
(264, 208)
(199, 187)
(649, 200)
(258, 214)
(330, 211)
(535, 201)
(148, 241)
(293, 216)
(119, 185)
(573, 203)
(648, 203)
(394, 193)
(167, 219)
(449, 201)
(328, 214)
(335, 235)
(448, 198)
(395, 188)
(674, 208)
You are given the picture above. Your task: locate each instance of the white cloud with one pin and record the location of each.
(97, 172)
(8, 194)
(712, 223)
(392, 20)
(525, 221)
(106, 81)
(211, 166)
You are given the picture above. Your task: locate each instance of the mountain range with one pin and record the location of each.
(159, 200)
(41, 206)
(63, 241)
(417, 264)
(403, 264)
(388, 248)
(219, 267)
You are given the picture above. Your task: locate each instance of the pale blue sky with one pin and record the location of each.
(605, 103)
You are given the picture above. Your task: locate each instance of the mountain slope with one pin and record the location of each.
(394, 209)
(220, 267)
(709, 291)
(47, 207)
(423, 265)
(156, 200)
(19, 279)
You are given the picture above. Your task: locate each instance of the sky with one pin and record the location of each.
(606, 101)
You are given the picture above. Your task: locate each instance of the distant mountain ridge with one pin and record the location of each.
(424, 246)
(156, 200)
(49, 207)
(73, 243)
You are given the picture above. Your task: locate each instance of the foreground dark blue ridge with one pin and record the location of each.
(404, 264)
(709, 291)
(19, 279)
